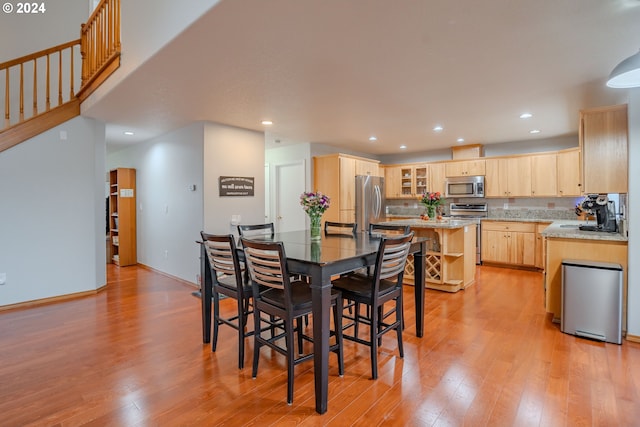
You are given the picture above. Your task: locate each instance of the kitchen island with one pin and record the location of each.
(565, 241)
(450, 263)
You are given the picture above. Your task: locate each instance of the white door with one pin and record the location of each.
(289, 184)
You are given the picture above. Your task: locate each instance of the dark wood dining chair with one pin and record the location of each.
(247, 230)
(228, 279)
(385, 285)
(388, 229)
(285, 300)
(340, 228)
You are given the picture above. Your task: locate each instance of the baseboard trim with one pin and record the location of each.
(177, 279)
(633, 338)
(51, 300)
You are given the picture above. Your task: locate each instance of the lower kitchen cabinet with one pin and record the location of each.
(540, 245)
(510, 243)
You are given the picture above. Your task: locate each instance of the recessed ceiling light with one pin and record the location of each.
(534, 131)
(438, 128)
(460, 140)
(526, 115)
(403, 147)
(267, 122)
(128, 132)
(373, 138)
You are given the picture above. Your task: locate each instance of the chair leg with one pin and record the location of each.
(337, 321)
(299, 334)
(400, 316)
(290, 358)
(373, 338)
(242, 321)
(356, 317)
(256, 343)
(379, 325)
(216, 320)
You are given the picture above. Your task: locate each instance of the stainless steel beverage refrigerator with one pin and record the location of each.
(370, 201)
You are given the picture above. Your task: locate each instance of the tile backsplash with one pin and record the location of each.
(535, 208)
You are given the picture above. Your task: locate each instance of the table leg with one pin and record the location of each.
(321, 294)
(419, 292)
(206, 295)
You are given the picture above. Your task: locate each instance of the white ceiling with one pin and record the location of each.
(339, 71)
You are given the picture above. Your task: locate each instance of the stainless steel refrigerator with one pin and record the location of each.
(370, 201)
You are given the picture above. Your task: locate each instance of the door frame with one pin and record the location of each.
(274, 185)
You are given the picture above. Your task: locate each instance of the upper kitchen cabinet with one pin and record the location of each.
(569, 177)
(603, 140)
(544, 179)
(508, 177)
(437, 177)
(367, 167)
(465, 168)
(334, 175)
(405, 181)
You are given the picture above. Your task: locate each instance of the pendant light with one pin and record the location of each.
(626, 74)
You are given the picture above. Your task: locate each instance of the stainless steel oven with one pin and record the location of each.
(475, 211)
(465, 186)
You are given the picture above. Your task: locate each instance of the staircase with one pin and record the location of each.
(45, 82)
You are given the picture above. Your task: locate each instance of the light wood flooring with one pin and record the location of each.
(132, 355)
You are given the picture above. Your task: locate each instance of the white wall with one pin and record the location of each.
(22, 34)
(147, 26)
(633, 296)
(230, 151)
(52, 213)
(169, 214)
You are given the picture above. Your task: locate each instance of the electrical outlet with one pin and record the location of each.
(3, 278)
(505, 206)
(166, 254)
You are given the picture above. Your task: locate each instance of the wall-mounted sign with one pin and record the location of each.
(236, 186)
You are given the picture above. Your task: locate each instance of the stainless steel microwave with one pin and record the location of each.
(464, 186)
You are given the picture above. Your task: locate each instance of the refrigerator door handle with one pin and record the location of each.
(378, 206)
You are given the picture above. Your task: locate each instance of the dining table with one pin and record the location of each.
(319, 260)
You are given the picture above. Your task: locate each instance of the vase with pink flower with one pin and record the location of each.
(315, 204)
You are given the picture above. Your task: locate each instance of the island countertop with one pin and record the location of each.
(443, 223)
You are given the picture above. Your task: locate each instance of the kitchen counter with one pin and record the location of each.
(569, 230)
(447, 223)
(450, 264)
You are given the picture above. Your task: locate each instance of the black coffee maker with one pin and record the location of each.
(604, 211)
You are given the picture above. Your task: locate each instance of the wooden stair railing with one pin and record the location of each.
(30, 79)
(100, 46)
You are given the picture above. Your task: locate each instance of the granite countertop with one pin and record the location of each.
(568, 229)
(443, 223)
(560, 228)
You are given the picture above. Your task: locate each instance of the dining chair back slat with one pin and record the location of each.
(247, 230)
(340, 228)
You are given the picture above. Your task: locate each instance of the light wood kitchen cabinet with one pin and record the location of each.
(603, 138)
(334, 175)
(405, 181)
(508, 177)
(511, 243)
(540, 245)
(122, 216)
(367, 167)
(392, 182)
(544, 175)
(437, 177)
(569, 177)
(465, 168)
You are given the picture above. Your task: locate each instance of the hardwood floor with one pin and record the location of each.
(132, 356)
